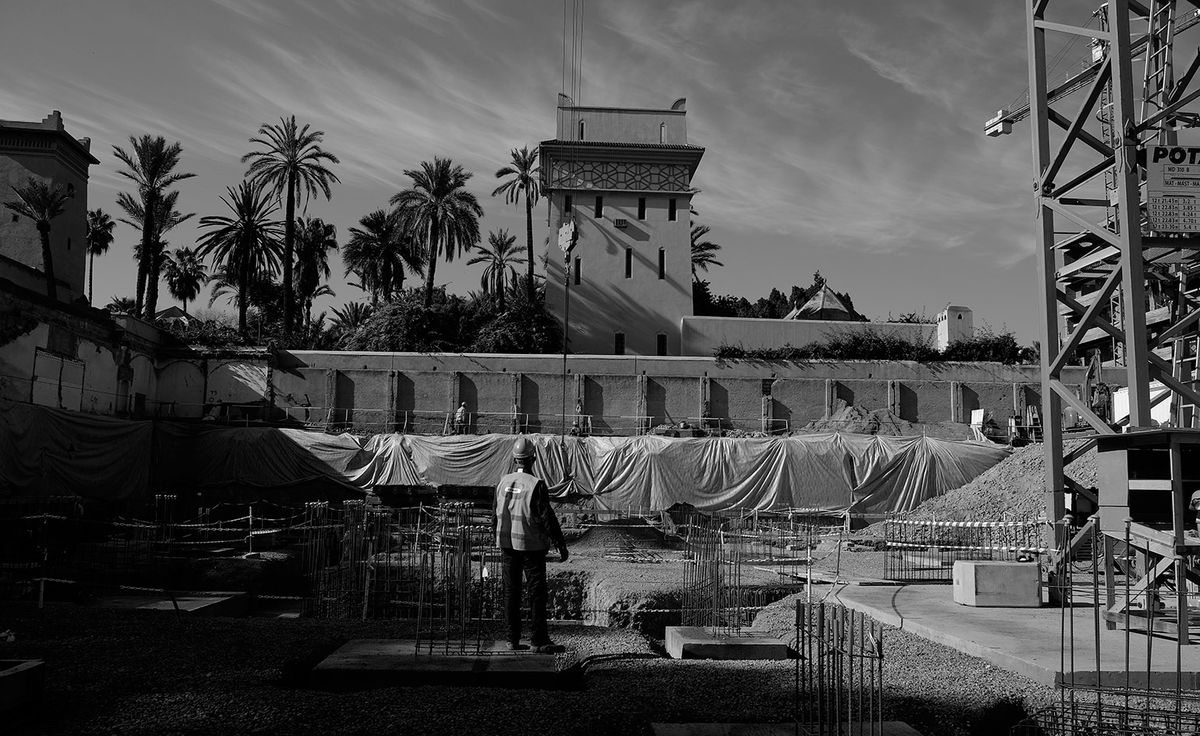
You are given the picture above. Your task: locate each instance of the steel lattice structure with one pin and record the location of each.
(1095, 276)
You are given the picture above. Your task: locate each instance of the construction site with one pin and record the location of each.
(267, 541)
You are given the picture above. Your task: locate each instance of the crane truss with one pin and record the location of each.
(1095, 277)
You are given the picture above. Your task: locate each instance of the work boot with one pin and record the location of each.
(549, 648)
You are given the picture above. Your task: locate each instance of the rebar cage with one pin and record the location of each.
(923, 550)
(719, 547)
(839, 671)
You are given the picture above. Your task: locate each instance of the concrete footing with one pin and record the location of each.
(365, 663)
(21, 682)
(696, 642)
(215, 603)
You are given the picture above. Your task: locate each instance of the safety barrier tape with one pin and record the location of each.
(964, 524)
(967, 548)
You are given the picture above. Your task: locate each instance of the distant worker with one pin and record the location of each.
(460, 419)
(526, 528)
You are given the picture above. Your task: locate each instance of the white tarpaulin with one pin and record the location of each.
(51, 452)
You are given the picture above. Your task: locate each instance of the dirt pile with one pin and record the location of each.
(1010, 490)
(861, 421)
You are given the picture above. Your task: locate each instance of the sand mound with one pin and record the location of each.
(1010, 490)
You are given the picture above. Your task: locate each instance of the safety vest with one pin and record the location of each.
(515, 526)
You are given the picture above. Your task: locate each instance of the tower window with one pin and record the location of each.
(661, 343)
(641, 208)
(662, 263)
(580, 130)
(567, 205)
(577, 267)
(662, 136)
(619, 343)
(629, 263)
(671, 210)
(599, 206)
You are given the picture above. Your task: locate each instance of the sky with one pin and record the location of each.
(845, 137)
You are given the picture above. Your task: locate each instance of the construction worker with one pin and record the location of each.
(526, 528)
(460, 419)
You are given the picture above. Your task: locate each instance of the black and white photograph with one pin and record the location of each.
(605, 367)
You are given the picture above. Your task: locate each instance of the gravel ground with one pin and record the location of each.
(935, 689)
(138, 672)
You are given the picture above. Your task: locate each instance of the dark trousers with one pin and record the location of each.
(533, 565)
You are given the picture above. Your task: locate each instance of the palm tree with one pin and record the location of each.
(440, 211)
(99, 237)
(165, 218)
(349, 318)
(704, 252)
(41, 203)
(314, 240)
(501, 259)
(185, 275)
(245, 245)
(292, 165)
(151, 166)
(379, 252)
(524, 183)
(121, 305)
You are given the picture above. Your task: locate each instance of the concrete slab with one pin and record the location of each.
(696, 642)
(216, 603)
(363, 663)
(890, 728)
(1026, 640)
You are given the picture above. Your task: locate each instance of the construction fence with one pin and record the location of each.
(925, 550)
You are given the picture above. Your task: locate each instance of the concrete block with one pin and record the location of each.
(697, 642)
(1000, 584)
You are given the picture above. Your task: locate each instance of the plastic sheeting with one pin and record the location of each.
(45, 452)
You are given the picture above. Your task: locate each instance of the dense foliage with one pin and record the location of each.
(872, 343)
(457, 324)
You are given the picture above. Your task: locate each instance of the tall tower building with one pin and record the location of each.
(625, 176)
(44, 150)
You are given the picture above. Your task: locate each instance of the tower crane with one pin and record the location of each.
(1100, 241)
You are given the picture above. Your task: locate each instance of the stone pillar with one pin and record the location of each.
(331, 396)
(391, 415)
(956, 401)
(643, 424)
(893, 397)
(517, 423)
(830, 396)
(702, 410)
